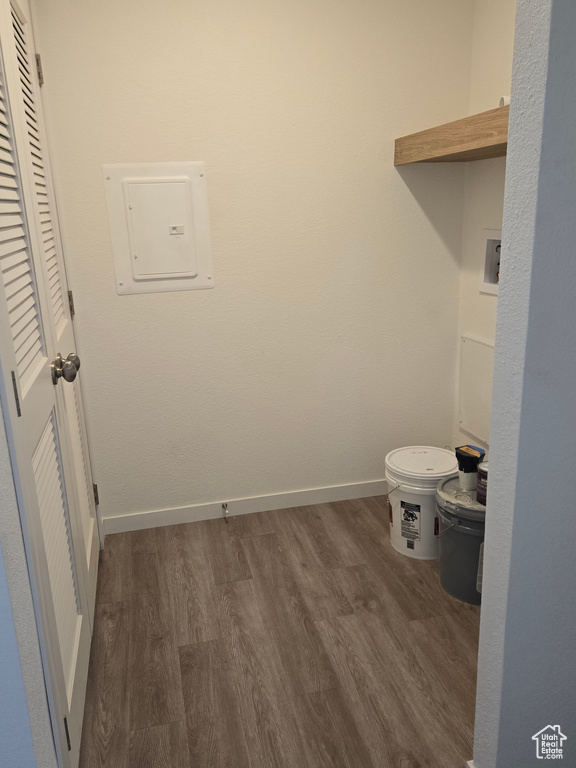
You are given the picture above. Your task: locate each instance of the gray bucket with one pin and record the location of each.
(462, 523)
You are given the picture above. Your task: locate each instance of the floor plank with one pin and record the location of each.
(268, 720)
(379, 665)
(286, 614)
(213, 717)
(368, 594)
(188, 585)
(154, 673)
(238, 609)
(114, 569)
(446, 651)
(305, 542)
(257, 524)
(226, 557)
(384, 719)
(344, 523)
(331, 736)
(163, 746)
(107, 711)
(315, 540)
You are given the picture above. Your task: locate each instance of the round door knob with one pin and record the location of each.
(66, 369)
(73, 358)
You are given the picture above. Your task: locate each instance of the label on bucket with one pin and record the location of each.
(410, 521)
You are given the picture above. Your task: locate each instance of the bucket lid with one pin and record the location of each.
(421, 463)
(451, 497)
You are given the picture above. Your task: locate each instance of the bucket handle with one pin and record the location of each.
(444, 527)
(391, 490)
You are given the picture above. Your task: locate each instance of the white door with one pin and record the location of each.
(44, 419)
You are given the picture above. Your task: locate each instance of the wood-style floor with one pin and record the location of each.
(290, 639)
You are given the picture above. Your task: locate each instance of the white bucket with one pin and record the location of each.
(413, 474)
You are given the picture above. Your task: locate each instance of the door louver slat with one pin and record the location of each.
(15, 258)
(7, 181)
(50, 254)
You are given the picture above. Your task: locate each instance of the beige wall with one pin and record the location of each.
(492, 49)
(331, 335)
(491, 73)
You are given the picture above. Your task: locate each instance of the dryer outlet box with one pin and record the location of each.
(490, 274)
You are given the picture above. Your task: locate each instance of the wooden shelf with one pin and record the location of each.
(473, 138)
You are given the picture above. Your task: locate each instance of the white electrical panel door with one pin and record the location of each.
(159, 227)
(159, 214)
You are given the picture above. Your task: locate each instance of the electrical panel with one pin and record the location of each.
(158, 215)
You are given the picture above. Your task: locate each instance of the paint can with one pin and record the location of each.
(413, 474)
(482, 483)
(462, 524)
(469, 456)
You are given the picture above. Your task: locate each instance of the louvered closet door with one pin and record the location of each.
(49, 247)
(45, 422)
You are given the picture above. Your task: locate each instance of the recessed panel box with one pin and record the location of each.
(158, 215)
(490, 274)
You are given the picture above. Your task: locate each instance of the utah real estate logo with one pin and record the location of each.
(549, 743)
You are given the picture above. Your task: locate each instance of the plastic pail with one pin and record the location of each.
(462, 524)
(413, 474)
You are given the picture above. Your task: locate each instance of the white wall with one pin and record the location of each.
(490, 76)
(15, 734)
(25, 732)
(527, 670)
(331, 335)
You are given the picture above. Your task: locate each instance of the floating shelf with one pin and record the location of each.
(477, 137)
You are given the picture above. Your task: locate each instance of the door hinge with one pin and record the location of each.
(96, 496)
(67, 734)
(16, 397)
(71, 303)
(39, 69)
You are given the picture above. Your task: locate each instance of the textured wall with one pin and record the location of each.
(491, 73)
(527, 668)
(331, 335)
(25, 732)
(15, 733)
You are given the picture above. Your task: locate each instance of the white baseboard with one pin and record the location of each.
(137, 521)
(470, 764)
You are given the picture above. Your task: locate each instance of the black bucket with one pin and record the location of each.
(462, 524)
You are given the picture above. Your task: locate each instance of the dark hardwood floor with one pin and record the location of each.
(290, 639)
